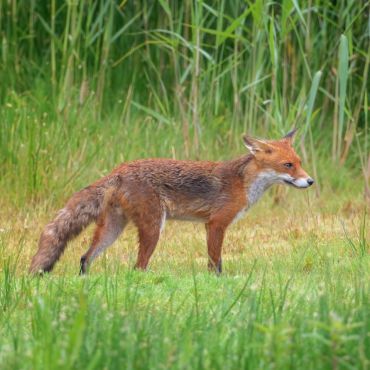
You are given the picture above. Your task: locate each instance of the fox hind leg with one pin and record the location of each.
(109, 226)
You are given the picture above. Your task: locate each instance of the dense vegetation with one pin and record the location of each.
(181, 79)
(88, 84)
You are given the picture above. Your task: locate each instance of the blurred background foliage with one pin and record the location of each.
(87, 84)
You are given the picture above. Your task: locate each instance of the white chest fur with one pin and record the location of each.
(261, 183)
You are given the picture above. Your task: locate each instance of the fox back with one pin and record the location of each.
(148, 192)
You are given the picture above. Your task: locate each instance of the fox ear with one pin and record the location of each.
(256, 145)
(290, 135)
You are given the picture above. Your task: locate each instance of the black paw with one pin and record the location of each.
(83, 266)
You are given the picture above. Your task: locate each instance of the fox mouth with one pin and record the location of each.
(292, 183)
(289, 183)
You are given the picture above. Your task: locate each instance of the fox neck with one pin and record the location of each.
(257, 180)
(259, 184)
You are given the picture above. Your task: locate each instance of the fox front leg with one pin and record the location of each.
(215, 238)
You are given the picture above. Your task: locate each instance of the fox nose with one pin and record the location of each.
(310, 181)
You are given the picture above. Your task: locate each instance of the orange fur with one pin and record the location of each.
(149, 191)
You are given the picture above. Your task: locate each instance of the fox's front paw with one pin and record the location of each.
(83, 265)
(215, 267)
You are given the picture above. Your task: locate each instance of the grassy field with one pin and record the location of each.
(86, 85)
(294, 293)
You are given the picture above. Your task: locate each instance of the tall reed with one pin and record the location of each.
(198, 69)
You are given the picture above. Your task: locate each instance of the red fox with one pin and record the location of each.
(150, 191)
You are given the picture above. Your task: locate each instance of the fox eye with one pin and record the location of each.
(288, 165)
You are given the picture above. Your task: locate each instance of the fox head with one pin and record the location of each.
(278, 160)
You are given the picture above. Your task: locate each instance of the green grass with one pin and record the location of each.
(280, 316)
(176, 78)
(294, 294)
(86, 85)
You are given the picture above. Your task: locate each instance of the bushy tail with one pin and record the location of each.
(83, 208)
